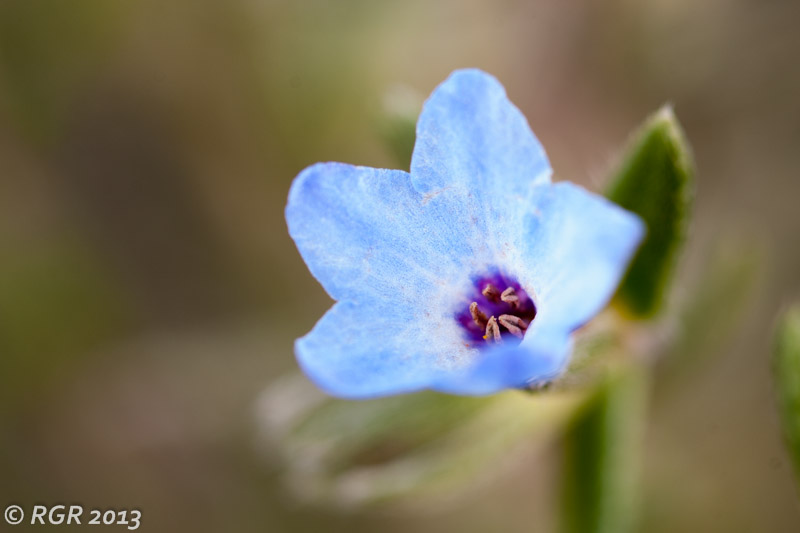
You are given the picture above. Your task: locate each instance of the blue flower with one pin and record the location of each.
(467, 275)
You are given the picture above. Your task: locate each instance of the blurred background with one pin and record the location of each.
(149, 290)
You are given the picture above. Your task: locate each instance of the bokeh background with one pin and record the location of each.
(149, 290)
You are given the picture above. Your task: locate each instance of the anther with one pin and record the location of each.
(491, 292)
(514, 324)
(498, 309)
(477, 314)
(492, 331)
(510, 297)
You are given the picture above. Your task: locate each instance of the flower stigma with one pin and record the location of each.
(500, 311)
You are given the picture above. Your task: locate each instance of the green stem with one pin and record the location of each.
(787, 380)
(602, 457)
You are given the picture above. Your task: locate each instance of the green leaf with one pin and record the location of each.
(655, 181)
(787, 379)
(602, 456)
(408, 449)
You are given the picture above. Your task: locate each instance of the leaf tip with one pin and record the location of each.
(655, 180)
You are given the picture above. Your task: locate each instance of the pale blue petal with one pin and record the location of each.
(578, 246)
(541, 357)
(477, 157)
(367, 235)
(469, 135)
(368, 350)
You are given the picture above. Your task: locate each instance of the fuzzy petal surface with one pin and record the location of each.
(366, 350)
(578, 245)
(476, 155)
(368, 236)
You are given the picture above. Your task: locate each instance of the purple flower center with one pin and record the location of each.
(500, 311)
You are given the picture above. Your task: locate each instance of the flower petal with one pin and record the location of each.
(367, 235)
(364, 351)
(541, 356)
(578, 246)
(476, 153)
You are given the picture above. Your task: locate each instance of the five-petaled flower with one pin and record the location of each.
(467, 274)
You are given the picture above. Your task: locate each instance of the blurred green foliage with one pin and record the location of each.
(787, 380)
(48, 50)
(602, 457)
(716, 302)
(57, 303)
(412, 449)
(397, 122)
